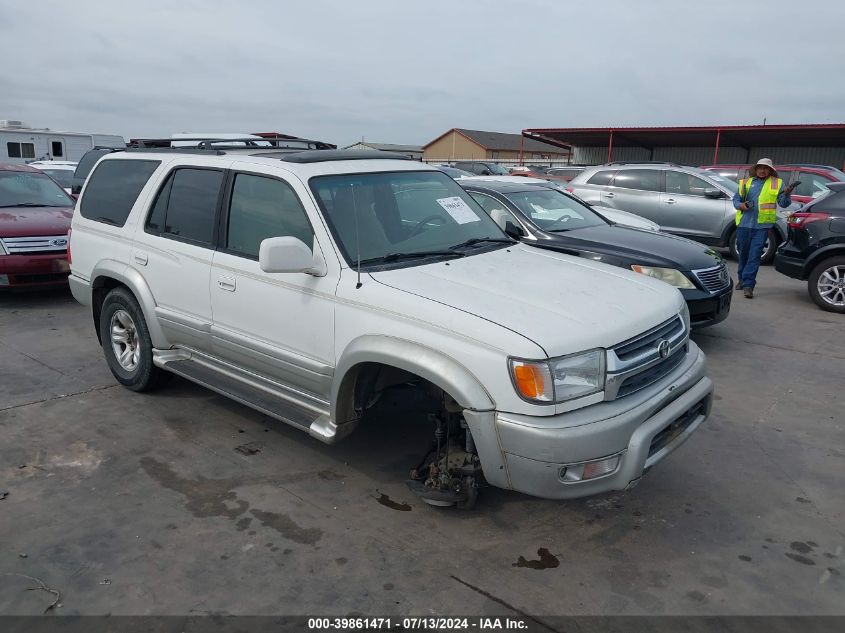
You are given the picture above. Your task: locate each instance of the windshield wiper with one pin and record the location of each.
(480, 240)
(395, 257)
(24, 204)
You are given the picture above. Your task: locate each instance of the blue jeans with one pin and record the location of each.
(749, 244)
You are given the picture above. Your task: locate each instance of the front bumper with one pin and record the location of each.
(706, 309)
(641, 428)
(32, 271)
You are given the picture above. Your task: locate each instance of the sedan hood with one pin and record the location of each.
(628, 219)
(624, 246)
(562, 303)
(34, 221)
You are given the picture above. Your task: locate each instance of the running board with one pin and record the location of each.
(301, 411)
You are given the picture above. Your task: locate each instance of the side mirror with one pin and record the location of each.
(289, 255)
(714, 194)
(514, 231)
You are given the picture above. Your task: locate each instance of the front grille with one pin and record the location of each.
(639, 362)
(714, 279)
(630, 349)
(41, 244)
(652, 374)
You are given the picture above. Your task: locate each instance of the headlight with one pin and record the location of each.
(559, 379)
(669, 275)
(3, 250)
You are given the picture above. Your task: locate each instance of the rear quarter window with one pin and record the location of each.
(113, 189)
(601, 177)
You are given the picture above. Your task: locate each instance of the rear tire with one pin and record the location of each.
(127, 344)
(826, 284)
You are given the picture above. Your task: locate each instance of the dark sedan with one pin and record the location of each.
(548, 218)
(815, 249)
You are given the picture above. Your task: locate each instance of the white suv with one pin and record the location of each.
(308, 285)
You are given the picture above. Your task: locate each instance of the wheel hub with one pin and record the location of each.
(124, 340)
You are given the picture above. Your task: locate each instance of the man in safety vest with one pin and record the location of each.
(756, 202)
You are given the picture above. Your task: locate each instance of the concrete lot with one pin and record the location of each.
(159, 504)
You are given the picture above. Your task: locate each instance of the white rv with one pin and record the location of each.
(21, 144)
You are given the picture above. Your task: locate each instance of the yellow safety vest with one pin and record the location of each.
(767, 203)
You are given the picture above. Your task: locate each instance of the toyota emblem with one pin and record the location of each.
(663, 348)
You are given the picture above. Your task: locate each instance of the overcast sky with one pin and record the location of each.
(406, 71)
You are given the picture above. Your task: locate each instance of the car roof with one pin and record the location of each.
(307, 167)
(12, 167)
(49, 165)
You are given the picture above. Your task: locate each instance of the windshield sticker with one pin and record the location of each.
(458, 209)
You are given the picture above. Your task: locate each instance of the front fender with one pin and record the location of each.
(132, 279)
(432, 365)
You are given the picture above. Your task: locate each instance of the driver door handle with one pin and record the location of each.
(226, 283)
(609, 194)
(670, 201)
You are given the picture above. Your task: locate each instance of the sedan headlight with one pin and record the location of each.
(559, 379)
(669, 275)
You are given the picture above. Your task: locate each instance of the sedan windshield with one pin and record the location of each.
(62, 176)
(403, 216)
(30, 189)
(552, 210)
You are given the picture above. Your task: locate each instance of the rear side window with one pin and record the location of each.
(86, 163)
(186, 206)
(264, 207)
(113, 188)
(640, 179)
(601, 178)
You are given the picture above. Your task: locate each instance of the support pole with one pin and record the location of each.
(610, 147)
(716, 151)
(522, 149)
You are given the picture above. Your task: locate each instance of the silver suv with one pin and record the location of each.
(686, 201)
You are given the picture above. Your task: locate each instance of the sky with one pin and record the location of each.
(406, 71)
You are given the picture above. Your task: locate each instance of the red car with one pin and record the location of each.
(35, 216)
(813, 178)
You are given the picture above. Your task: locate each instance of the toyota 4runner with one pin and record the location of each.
(306, 284)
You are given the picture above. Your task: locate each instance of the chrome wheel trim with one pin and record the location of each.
(831, 286)
(124, 340)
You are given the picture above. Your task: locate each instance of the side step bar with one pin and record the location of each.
(272, 399)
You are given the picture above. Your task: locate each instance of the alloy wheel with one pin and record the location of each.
(124, 340)
(831, 285)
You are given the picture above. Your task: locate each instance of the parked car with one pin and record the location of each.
(548, 218)
(337, 277)
(481, 168)
(686, 201)
(813, 178)
(35, 216)
(453, 172)
(614, 215)
(564, 173)
(532, 171)
(815, 249)
(59, 170)
(85, 165)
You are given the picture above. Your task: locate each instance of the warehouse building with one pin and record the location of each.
(461, 144)
(412, 151)
(720, 145)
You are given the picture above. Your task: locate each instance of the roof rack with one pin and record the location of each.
(341, 154)
(216, 143)
(642, 162)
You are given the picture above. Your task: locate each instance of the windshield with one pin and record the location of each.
(401, 213)
(497, 170)
(554, 211)
(30, 189)
(62, 176)
(726, 183)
